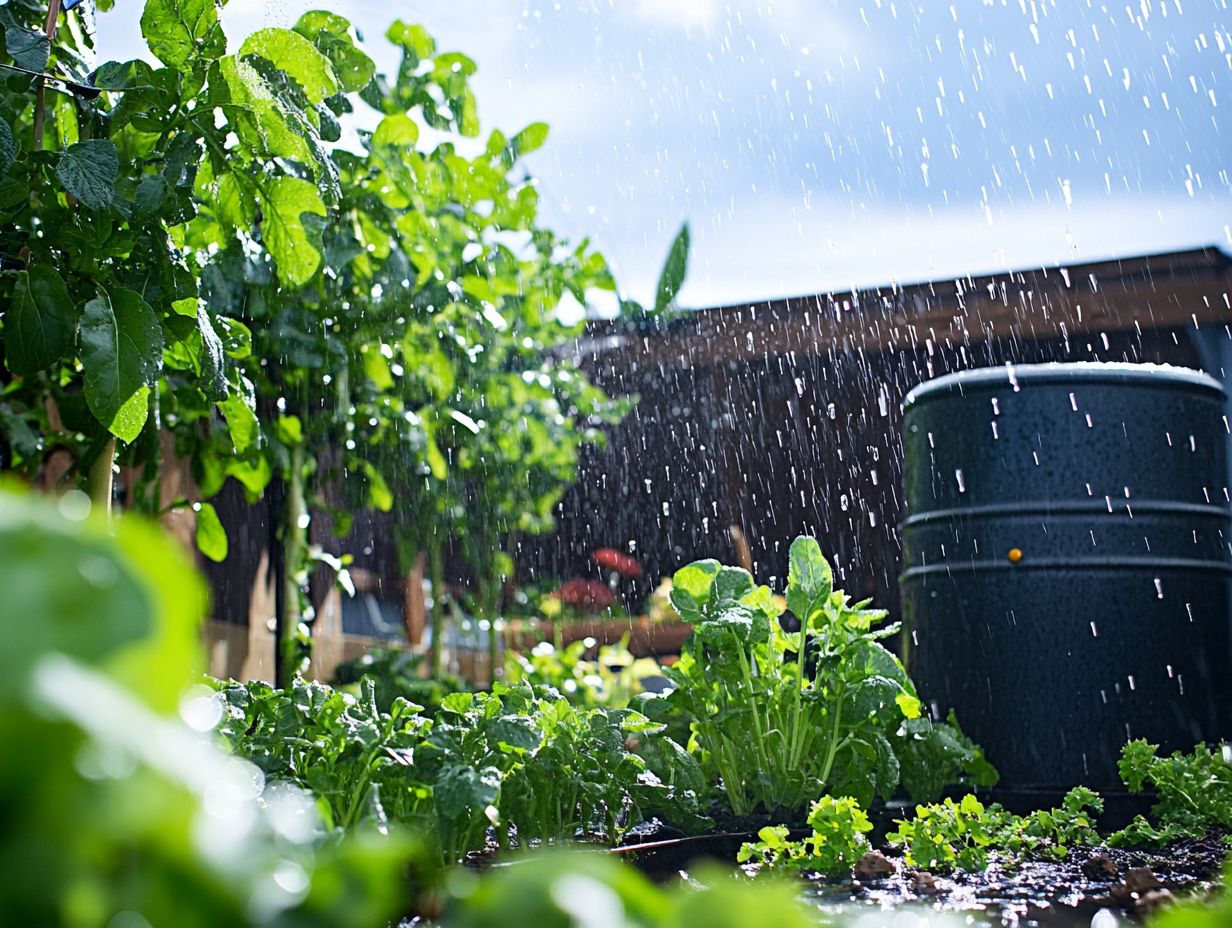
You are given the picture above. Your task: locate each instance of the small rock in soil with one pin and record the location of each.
(923, 884)
(873, 866)
(1141, 880)
(1100, 867)
(1153, 899)
(1137, 883)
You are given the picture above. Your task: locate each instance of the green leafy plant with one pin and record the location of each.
(112, 809)
(837, 842)
(1193, 792)
(520, 763)
(781, 717)
(342, 748)
(583, 778)
(950, 834)
(106, 337)
(963, 834)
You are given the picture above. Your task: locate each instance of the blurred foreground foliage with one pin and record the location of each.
(110, 802)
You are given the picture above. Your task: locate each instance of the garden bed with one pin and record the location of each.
(1130, 882)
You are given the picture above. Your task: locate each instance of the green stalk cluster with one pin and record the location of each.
(781, 717)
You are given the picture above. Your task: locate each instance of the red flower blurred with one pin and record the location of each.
(587, 595)
(621, 563)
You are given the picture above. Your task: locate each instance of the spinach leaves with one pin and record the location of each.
(520, 764)
(781, 717)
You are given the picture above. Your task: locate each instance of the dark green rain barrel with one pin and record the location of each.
(1066, 563)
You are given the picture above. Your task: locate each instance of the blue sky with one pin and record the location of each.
(817, 145)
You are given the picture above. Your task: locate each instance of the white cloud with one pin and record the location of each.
(770, 247)
(681, 14)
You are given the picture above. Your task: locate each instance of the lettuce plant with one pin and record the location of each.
(781, 717)
(1193, 793)
(962, 834)
(837, 842)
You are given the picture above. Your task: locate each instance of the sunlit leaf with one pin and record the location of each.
(291, 52)
(121, 350)
(295, 249)
(181, 31)
(671, 278)
(211, 536)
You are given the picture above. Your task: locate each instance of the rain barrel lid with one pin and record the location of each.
(1093, 372)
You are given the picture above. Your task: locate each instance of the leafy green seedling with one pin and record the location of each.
(1193, 793)
(837, 842)
(963, 834)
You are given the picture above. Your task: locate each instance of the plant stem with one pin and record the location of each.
(436, 569)
(838, 720)
(294, 511)
(491, 606)
(99, 479)
(40, 84)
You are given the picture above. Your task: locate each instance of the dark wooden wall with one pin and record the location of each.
(785, 418)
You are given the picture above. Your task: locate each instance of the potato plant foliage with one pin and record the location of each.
(212, 246)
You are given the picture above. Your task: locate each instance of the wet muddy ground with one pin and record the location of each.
(1126, 884)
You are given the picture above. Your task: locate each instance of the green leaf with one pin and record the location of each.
(461, 792)
(8, 147)
(732, 584)
(691, 587)
(181, 31)
(289, 430)
(121, 346)
(437, 464)
(236, 337)
(332, 36)
(809, 579)
(68, 589)
(234, 202)
(17, 433)
(152, 192)
(38, 327)
(529, 139)
(260, 114)
(412, 39)
(515, 731)
(671, 278)
(88, 170)
(211, 536)
(292, 53)
(908, 705)
(125, 75)
(213, 384)
(241, 422)
(468, 115)
(27, 48)
(398, 130)
(296, 251)
(379, 495)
